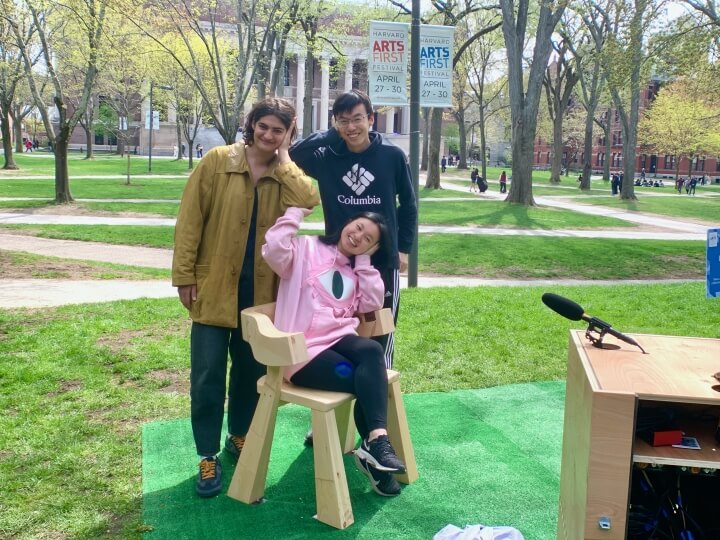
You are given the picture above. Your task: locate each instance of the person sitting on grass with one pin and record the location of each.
(324, 281)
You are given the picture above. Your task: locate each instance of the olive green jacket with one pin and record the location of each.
(212, 229)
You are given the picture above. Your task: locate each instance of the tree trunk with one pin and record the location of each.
(433, 176)
(62, 178)
(483, 144)
(178, 134)
(7, 143)
(462, 140)
(522, 152)
(586, 184)
(191, 147)
(608, 146)
(556, 162)
(89, 141)
(17, 127)
(426, 140)
(307, 100)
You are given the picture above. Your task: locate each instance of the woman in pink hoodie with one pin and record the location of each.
(324, 281)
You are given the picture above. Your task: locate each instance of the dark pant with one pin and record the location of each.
(209, 348)
(355, 365)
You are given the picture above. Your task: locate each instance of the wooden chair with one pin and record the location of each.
(332, 420)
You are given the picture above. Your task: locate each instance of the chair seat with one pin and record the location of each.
(318, 400)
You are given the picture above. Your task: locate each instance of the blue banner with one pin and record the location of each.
(713, 264)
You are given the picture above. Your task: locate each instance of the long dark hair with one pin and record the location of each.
(280, 108)
(383, 256)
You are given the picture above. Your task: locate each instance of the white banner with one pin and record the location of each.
(436, 65)
(156, 120)
(387, 65)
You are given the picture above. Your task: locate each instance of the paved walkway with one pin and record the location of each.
(37, 293)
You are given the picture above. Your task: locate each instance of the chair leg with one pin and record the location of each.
(399, 433)
(248, 481)
(346, 426)
(331, 489)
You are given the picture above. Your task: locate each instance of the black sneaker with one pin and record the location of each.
(382, 483)
(380, 454)
(234, 445)
(209, 483)
(309, 439)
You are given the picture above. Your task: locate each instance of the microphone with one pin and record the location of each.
(573, 311)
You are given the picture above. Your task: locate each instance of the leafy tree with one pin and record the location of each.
(16, 103)
(626, 66)
(560, 79)
(681, 123)
(525, 95)
(451, 13)
(69, 38)
(223, 42)
(586, 42)
(490, 98)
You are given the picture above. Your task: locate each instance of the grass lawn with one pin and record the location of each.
(458, 213)
(78, 382)
(500, 214)
(682, 206)
(43, 163)
(494, 257)
(100, 188)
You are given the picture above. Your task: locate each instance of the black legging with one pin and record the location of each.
(355, 365)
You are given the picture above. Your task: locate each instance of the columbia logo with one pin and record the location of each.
(358, 179)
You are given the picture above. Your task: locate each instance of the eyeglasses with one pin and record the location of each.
(355, 120)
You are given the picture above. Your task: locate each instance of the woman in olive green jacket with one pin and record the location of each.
(231, 199)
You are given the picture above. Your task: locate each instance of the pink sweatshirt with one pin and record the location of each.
(319, 291)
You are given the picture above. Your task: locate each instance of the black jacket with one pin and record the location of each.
(375, 180)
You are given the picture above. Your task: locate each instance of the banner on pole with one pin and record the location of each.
(155, 120)
(436, 65)
(387, 64)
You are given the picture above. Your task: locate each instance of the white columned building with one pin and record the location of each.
(324, 93)
(390, 120)
(349, 74)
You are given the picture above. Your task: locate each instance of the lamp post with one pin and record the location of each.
(415, 132)
(152, 122)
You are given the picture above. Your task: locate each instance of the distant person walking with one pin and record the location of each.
(443, 164)
(503, 182)
(28, 145)
(474, 180)
(199, 150)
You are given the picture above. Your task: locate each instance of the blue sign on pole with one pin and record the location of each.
(713, 263)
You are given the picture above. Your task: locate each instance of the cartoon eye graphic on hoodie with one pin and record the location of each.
(336, 284)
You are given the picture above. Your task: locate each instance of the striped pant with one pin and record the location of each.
(391, 278)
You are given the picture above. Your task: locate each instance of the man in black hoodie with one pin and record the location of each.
(358, 171)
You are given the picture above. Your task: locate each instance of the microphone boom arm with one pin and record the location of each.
(600, 327)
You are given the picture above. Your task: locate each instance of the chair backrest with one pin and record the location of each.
(273, 347)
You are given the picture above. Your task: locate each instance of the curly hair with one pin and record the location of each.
(280, 108)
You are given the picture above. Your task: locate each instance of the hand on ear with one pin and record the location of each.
(372, 249)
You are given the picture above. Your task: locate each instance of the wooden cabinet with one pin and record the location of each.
(605, 387)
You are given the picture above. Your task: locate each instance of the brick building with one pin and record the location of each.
(654, 164)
